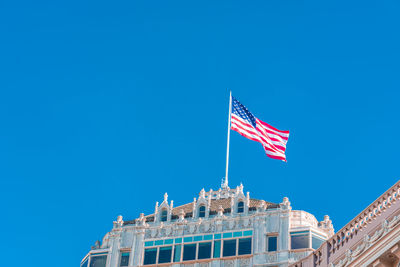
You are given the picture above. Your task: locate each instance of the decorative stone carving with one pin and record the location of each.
(119, 222)
(192, 228)
(96, 245)
(231, 224)
(229, 263)
(285, 205)
(141, 221)
(245, 262)
(181, 216)
(153, 232)
(220, 211)
(246, 222)
(168, 231)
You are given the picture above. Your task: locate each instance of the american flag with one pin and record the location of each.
(245, 123)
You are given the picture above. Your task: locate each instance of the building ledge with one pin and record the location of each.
(199, 261)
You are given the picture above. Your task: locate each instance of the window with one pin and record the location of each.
(244, 246)
(150, 256)
(124, 259)
(204, 251)
(164, 215)
(217, 249)
(177, 253)
(240, 207)
(165, 254)
(272, 243)
(316, 242)
(189, 252)
(202, 211)
(300, 240)
(98, 261)
(229, 248)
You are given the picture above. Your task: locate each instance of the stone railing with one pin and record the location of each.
(344, 245)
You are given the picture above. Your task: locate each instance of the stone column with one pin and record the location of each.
(138, 248)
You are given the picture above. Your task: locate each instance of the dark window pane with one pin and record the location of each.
(202, 211)
(164, 215)
(272, 243)
(217, 249)
(98, 261)
(240, 207)
(299, 241)
(150, 256)
(204, 251)
(124, 259)
(84, 264)
(189, 252)
(244, 246)
(164, 255)
(177, 253)
(316, 242)
(229, 248)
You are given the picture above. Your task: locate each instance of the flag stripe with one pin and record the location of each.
(252, 134)
(285, 133)
(246, 124)
(255, 137)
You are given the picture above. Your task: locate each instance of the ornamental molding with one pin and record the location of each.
(367, 242)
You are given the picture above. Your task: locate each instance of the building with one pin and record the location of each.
(371, 239)
(219, 228)
(228, 228)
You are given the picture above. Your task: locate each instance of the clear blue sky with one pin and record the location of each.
(105, 106)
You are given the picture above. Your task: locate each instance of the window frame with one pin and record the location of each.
(171, 257)
(301, 233)
(267, 242)
(164, 217)
(240, 207)
(99, 254)
(120, 257)
(201, 214)
(212, 238)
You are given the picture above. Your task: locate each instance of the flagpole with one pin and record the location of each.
(227, 143)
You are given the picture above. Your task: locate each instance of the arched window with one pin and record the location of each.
(240, 207)
(202, 211)
(164, 215)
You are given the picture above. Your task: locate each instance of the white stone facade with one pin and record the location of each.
(223, 228)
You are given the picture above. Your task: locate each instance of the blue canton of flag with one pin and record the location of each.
(239, 110)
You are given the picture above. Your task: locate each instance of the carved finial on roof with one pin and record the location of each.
(96, 245)
(220, 211)
(261, 206)
(326, 226)
(156, 208)
(286, 204)
(181, 215)
(241, 188)
(171, 206)
(202, 193)
(165, 197)
(141, 220)
(119, 222)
